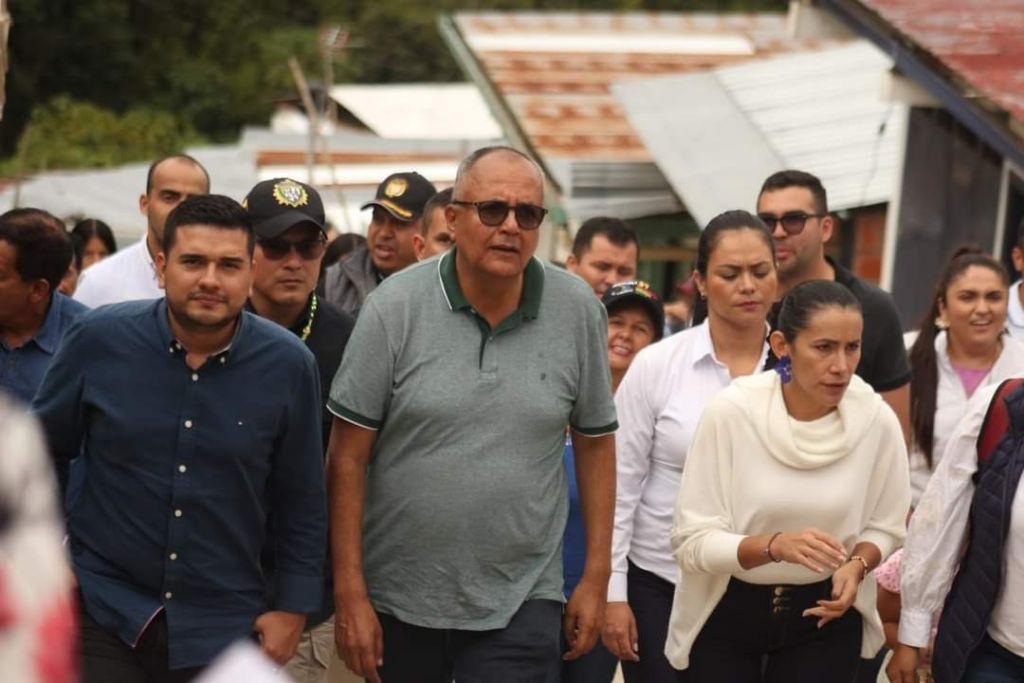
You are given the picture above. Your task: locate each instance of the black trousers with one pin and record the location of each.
(756, 634)
(597, 666)
(528, 650)
(650, 598)
(107, 659)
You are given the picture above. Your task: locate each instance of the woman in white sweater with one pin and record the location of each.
(795, 488)
(659, 403)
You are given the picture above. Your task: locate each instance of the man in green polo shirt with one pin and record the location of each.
(448, 491)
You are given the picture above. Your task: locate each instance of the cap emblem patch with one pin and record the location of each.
(396, 187)
(290, 193)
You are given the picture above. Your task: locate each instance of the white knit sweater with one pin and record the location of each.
(752, 469)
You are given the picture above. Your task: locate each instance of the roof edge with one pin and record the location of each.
(920, 65)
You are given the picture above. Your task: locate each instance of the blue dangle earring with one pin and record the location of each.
(784, 367)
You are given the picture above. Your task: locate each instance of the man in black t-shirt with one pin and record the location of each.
(794, 206)
(288, 219)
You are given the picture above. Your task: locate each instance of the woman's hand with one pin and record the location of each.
(620, 635)
(845, 582)
(903, 665)
(811, 548)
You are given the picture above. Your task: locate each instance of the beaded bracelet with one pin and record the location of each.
(768, 548)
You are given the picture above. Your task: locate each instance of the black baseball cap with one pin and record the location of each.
(277, 204)
(637, 292)
(403, 195)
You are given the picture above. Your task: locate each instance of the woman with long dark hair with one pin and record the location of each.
(659, 403)
(97, 240)
(962, 345)
(795, 488)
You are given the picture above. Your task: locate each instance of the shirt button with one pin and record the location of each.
(188, 424)
(182, 468)
(177, 513)
(195, 377)
(173, 557)
(223, 359)
(168, 595)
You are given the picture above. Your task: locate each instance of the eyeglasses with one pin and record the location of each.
(793, 222)
(493, 213)
(308, 250)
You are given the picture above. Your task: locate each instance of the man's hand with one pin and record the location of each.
(845, 582)
(359, 638)
(619, 635)
(279, 634)
(584, 616)
(903, 665)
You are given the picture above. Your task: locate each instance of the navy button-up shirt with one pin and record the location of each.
(182, 468)
(22, 368)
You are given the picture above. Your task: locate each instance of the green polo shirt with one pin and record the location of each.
(466, 497)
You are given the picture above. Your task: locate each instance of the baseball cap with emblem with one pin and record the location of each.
(403, 195)
(277, 204)
(637, 292)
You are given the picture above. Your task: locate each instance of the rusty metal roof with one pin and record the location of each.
(554, 71)
(980, 42)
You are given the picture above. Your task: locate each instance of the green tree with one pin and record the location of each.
(69, 134)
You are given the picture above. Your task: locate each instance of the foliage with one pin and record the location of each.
(69, 134)
(216, 66)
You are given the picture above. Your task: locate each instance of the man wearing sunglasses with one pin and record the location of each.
(397, 212)
(794, 206)
(288, 221)
(448, 489)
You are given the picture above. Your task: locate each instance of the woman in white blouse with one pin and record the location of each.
(795, 487)
(658, 403)
(961, 347)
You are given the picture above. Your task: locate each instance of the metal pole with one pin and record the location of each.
(311, 113)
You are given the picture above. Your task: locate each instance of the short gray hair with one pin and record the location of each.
(466, 167)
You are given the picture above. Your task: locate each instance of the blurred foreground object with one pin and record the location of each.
(37, 623)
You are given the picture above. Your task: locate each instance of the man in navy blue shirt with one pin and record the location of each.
(35, 252)
(196, 421)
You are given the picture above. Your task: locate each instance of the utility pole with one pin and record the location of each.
(5, 27)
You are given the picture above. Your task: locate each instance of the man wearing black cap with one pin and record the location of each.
(288, 220)
(397, 210)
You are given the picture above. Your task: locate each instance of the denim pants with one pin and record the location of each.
(992, 663)
(757, 634)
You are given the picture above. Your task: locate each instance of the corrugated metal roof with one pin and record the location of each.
(424, 111)
(718, 135)
(554, 71)
(980, 41)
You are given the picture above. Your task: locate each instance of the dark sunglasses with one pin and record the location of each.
(308, 250)
(493, 213)
(793, 222)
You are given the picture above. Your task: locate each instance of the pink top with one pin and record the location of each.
(971, 378)
(887, 574)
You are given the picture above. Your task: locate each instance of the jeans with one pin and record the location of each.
(527, 650)
(650, 598)
(757, 634)
(992, 663)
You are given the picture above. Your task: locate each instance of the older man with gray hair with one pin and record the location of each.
(448, 492)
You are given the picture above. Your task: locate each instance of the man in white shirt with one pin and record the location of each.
(1015, 309)
(130, 274)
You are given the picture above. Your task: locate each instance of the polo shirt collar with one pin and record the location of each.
(49, 335)
(529, 302)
